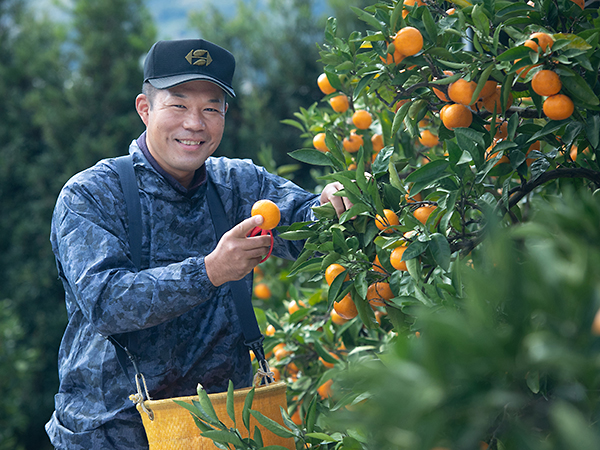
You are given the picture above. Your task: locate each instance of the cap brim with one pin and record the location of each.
(169, 82)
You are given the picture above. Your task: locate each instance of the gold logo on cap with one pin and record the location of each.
(201, 57)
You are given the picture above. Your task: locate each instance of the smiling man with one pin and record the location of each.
(175, 310)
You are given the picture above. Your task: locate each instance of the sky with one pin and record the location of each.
(170, 15)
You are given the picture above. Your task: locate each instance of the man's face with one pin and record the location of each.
(184, 126)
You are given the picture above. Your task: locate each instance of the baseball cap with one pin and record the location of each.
(170, 63)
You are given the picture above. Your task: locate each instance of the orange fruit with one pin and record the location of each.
(422, 213)
(461, 91)
(377, 142)
(408, 41)
(325, 389)
(270, 331)
(501, 129)
(378, 292)
(269, 211)
(319, 142)
(488, 89)
(353, 142)
(276, 373)
(546, 83)
(558, 107)
(580, 3)
(332, 271)
(544, 40)
(489, 155)
(280, 351)
(362, 119)
(451, 11)
(537, 145)
(339, 103)
(456, 116)
(262, 291)
(494, 102)
(328, 364)
(399, 103)
(596, 324)
(531, 44)
(439, 93)
(336, 318)
(346, 308)
(377, 267)
(295, 306)
(390, 219)
(413, 198)
(325, 85)
(296, 417)
(396, 259)
(393, 58)
(428, 139)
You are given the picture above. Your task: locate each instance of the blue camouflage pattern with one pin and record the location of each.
(182, 329)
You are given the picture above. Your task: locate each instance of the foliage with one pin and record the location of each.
(486, 336)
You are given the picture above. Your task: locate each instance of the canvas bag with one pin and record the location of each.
(169, 426)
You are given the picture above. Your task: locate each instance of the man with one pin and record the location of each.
(176, 313)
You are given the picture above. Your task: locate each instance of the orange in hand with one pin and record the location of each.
(269, 211)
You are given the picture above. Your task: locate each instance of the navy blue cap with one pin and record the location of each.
(170, 63)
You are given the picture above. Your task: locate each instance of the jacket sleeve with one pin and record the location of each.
(90, 240)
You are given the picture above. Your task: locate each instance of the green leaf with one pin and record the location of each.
(471, 141)
(258, 437)
(361, 85)
(577, 86)
(440, 249)
(368, 18)
(311, 156)
(355, 210)
(206, 404)
(533, 381)
(413, 250)
(399, 117)
(427, 174)
(230, 403)
(321, 436)
(593, 130)
(514, 53)
(246, 410)
(271, 425)
(574, 429)
(430, 25)
(311, 414)
(228, 437)
(296, 235)
(482, 80)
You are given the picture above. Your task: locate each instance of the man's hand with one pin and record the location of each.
(340, 204)
(236, 255)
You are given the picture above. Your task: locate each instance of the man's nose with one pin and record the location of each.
(195, 121)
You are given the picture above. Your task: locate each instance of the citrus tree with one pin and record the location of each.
(412, 320)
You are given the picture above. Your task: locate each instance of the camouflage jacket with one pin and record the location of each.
(182, 329)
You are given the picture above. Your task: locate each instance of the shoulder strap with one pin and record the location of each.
(242, 297)
(131, 192)
(132, 202)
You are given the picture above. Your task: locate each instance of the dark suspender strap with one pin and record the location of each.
(242, 297)
(131, 192)
(134, 210)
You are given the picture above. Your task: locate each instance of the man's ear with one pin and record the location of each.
(142, 106)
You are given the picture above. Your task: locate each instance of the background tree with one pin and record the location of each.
(68, 101)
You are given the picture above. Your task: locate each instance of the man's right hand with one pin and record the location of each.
(236, 255)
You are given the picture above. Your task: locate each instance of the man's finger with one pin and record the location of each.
(246, 226)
